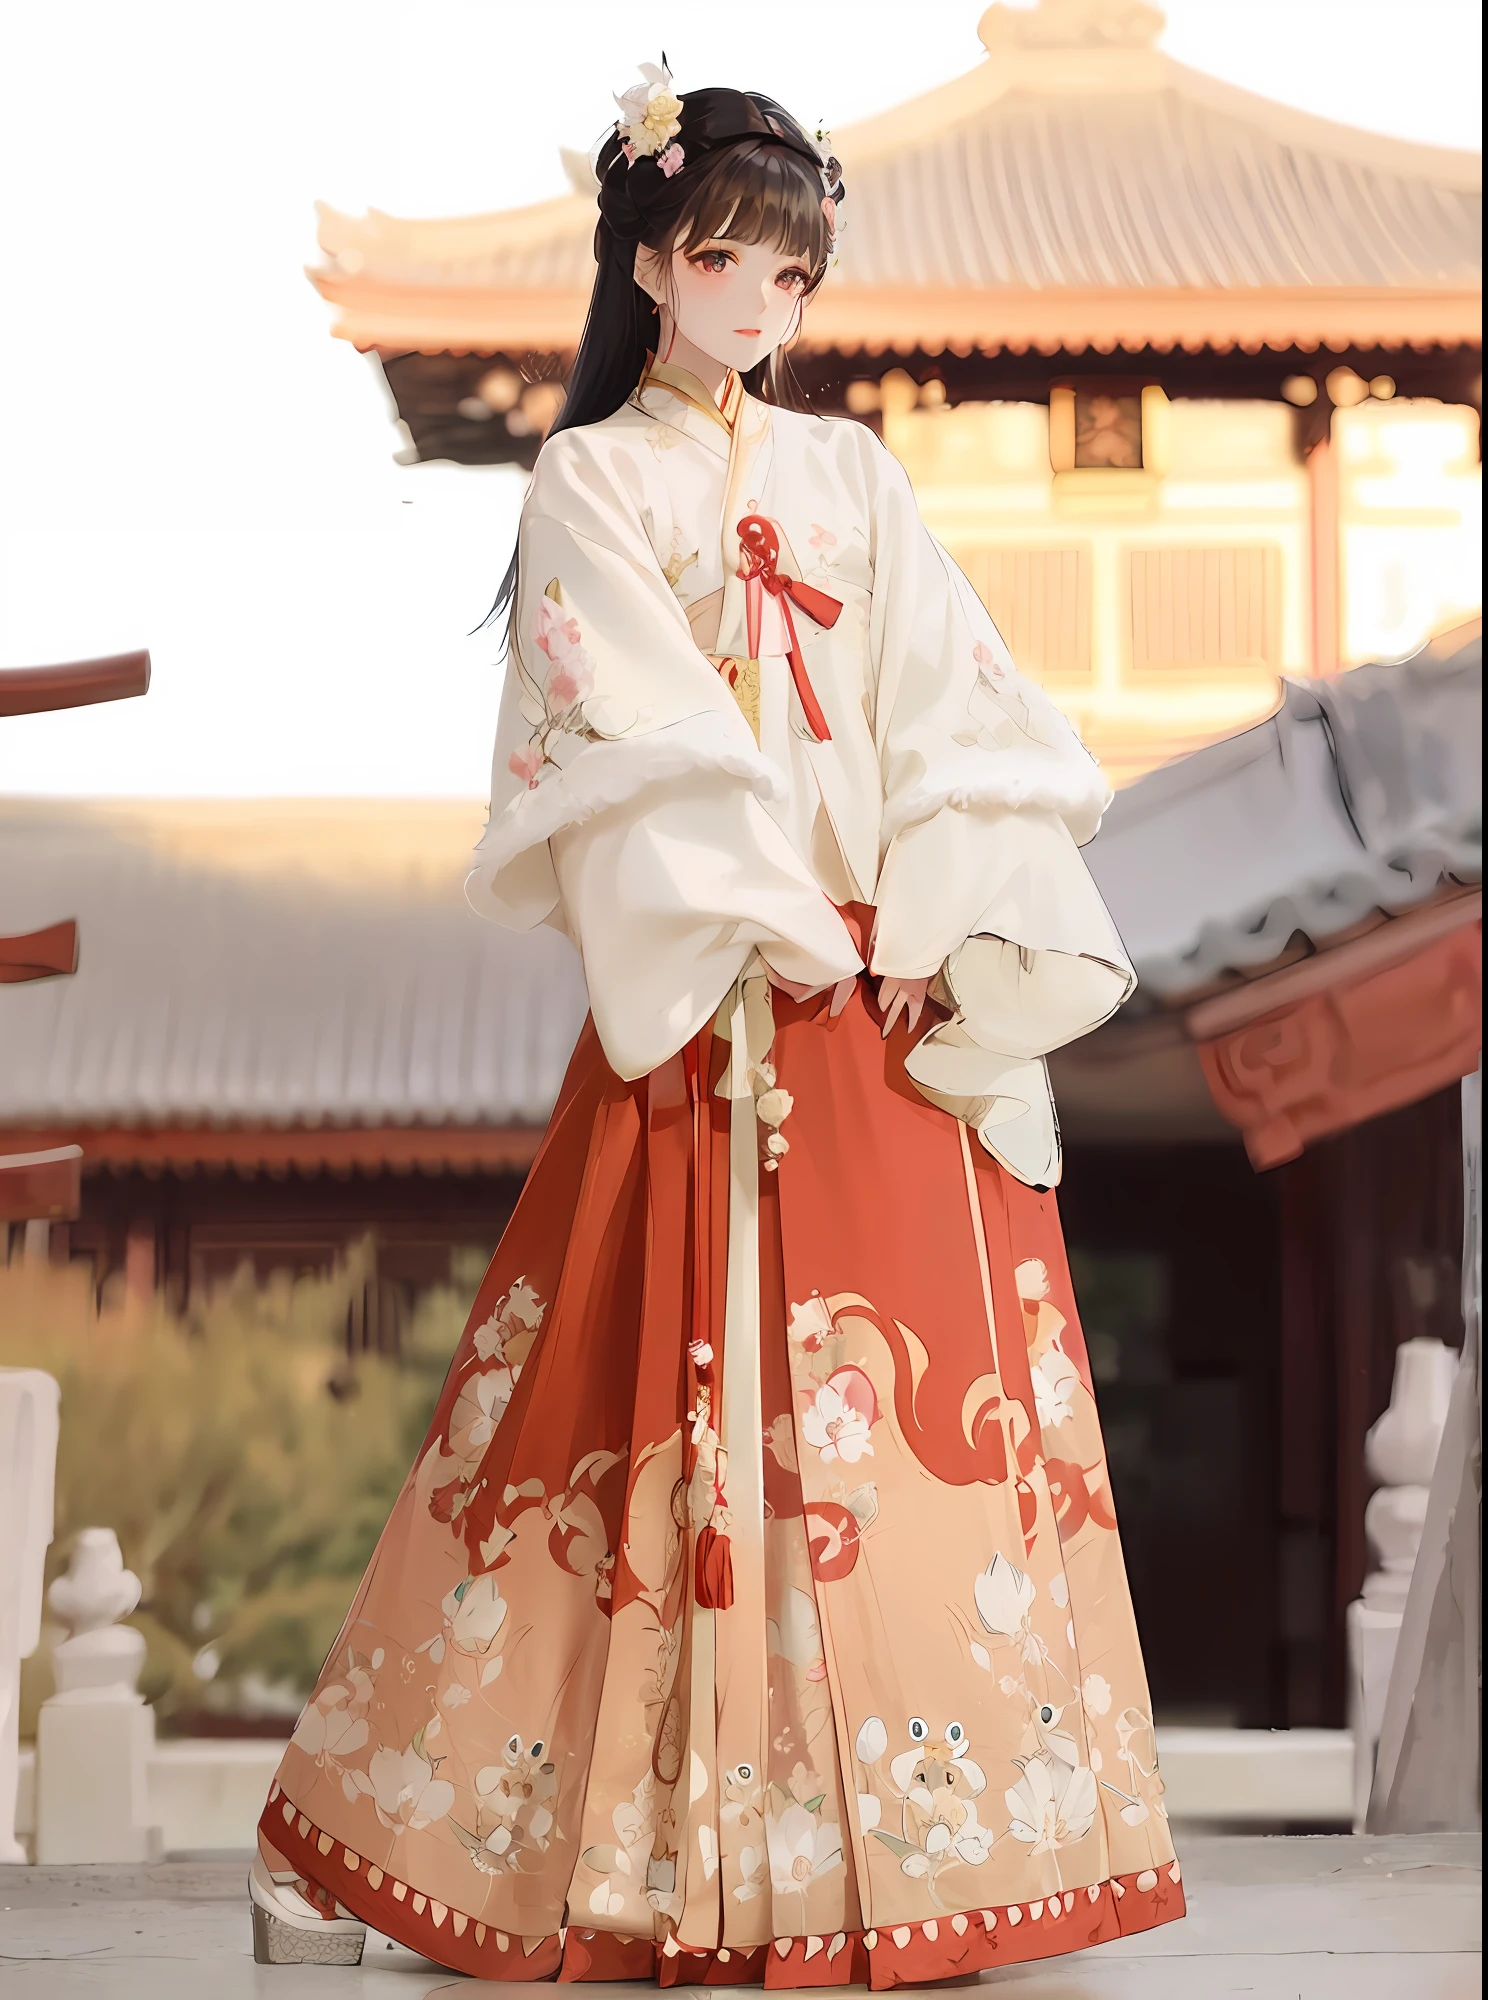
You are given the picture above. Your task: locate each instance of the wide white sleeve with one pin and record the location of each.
(627, 789)
(669, 895)
(988, 795)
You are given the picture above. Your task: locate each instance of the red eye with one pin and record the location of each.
(713, 260)
(793, 281)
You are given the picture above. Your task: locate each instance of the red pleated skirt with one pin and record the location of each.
(808, 1663)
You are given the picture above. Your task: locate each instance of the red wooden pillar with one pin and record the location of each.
(1327, 557)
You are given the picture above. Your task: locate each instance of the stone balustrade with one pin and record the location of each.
(1400, 1453)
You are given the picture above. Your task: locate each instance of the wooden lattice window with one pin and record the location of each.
(1216, 607)
(1040, 602)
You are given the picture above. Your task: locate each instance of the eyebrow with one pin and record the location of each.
(737, 243)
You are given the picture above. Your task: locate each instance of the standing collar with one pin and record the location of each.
(680, 383)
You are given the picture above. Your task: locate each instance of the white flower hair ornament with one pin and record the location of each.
(832, 189)
(650, 119)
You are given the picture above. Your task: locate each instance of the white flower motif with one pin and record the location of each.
(524, 1306)
(752, 1866)
(873, 1740)
(836, 1429)
(810, 1323)
(661, 1885)
(649, 111)
(1032, 1279)
(478, 1409)
(1095, 1692)
(801, 1849)
(476, 1611)
(1051, 1804)
(327, 1728)
(1055, 1380)
(1004, 1595)
(793, 1632)
(970, 1842)
(840, 1418)
(405, 1791)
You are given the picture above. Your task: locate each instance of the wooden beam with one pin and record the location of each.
(73, 683)
(1390, 943)
(41, 1186)
(1326, 555)
(43, 954)
(253, 1149)
(1385, 1032)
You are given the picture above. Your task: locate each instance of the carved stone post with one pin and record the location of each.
(28, 1462)
(96, 1734)
(1400, 1452)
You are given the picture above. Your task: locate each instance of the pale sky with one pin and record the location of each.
(189, 462)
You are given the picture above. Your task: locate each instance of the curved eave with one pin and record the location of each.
(852, 319)
(275, 1149)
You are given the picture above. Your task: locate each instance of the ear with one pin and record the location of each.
(652, 270)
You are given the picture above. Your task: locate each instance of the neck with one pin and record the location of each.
(679, 352)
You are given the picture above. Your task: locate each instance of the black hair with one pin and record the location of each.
(749, 171)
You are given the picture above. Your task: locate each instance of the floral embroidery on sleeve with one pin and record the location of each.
(569, 679)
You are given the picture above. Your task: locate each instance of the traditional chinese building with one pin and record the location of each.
(1188, 381)
(1303, 904)
(286, 1033)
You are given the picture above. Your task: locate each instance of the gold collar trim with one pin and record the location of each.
(686, 387)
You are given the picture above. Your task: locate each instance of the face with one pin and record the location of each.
(737, 302)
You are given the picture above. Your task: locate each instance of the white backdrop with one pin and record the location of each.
(189, 462)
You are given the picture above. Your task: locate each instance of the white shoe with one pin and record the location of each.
(288, 1929)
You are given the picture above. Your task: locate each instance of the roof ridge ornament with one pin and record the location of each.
(1071, 24)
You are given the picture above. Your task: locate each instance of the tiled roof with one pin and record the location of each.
(1362, 795)
(1074, 189)
(295, 964)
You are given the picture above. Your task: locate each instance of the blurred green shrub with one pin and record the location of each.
(246, 1463)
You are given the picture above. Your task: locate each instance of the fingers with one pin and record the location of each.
(842, 992)
(894, 1000)
(902, 996)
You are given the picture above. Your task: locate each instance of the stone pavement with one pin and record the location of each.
(1328, 1918)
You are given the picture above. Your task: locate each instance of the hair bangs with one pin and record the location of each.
(759, 193)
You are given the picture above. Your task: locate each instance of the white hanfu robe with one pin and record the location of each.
(632, 803)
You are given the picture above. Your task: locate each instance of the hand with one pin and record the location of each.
(906, 996)
(842, 992)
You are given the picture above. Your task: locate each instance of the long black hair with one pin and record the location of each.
(749, 172)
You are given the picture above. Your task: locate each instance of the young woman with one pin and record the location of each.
(755, 1611)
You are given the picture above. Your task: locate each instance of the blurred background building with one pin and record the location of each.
(1189, 383)
(286, 1030)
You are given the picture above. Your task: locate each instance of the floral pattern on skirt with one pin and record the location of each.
(847, 1689)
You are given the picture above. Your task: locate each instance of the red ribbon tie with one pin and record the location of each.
(759, 551)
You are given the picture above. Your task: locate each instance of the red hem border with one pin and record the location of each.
(947, 1947)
